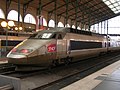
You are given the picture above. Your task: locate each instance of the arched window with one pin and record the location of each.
(44, 22)
(13, 15)
(73, 26)
(2, 15)
(29, 19)
(78, 28)
(60, 24)
(67, 25)
(51, 23)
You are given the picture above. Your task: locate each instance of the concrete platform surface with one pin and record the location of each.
(107, 78)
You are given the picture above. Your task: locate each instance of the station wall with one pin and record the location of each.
(32, 11)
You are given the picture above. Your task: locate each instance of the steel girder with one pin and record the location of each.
(8, 2)
(66, 19)
(25, 6)
(69, 2)
(18, 13)
(55, 14)
(74, 8)
(93, 12)
(89, 12)
(88, 9)
(48, 3)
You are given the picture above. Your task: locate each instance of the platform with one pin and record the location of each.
(107, 78)
(3, 60)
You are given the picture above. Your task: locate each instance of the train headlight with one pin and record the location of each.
(26, 51)
(14, 50)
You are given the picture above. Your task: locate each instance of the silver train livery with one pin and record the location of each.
(60, 45)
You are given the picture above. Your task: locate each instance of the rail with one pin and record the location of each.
(42, 80)
(6, 87)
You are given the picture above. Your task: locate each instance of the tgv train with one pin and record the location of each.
(60, 45)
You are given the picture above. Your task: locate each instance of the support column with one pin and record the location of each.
(72, 21)
(48, 18)
(108, 43)
(66, 19)
(104, 26)
(18, 14)
(94, 27)
(101, 27)
(107, 27)
(8, 2)
(55, 15)
(25, 6)
(89, 24)
(6, 9)
(24, 11)
(98, 28)
(40, 22)
(76, 10)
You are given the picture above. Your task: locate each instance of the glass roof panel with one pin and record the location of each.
(114, 5)
(111, 6)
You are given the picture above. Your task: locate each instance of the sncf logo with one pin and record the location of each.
(51, 48)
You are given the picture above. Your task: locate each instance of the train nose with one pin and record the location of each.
(16, 56)
(19, 53)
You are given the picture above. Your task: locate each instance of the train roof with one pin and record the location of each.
(71, 30)
(76, 31)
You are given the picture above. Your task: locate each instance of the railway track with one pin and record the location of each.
(4, 68)
(59, 77)
(99, 62)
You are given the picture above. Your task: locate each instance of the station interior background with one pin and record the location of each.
(31, 22)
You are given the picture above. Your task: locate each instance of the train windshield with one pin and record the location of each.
(45, 35)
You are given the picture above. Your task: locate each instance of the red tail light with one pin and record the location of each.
(14, 50)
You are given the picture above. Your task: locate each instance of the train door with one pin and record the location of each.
(61, 46)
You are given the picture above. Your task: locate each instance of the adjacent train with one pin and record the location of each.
(60, 45)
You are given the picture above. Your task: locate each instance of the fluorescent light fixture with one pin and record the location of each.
(114, 5)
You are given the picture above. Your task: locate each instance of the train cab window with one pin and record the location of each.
(45, 35)
(59, 36)
(54, 36)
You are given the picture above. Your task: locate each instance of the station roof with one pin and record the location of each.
(84, 11)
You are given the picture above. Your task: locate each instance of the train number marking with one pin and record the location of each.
(51, 48)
